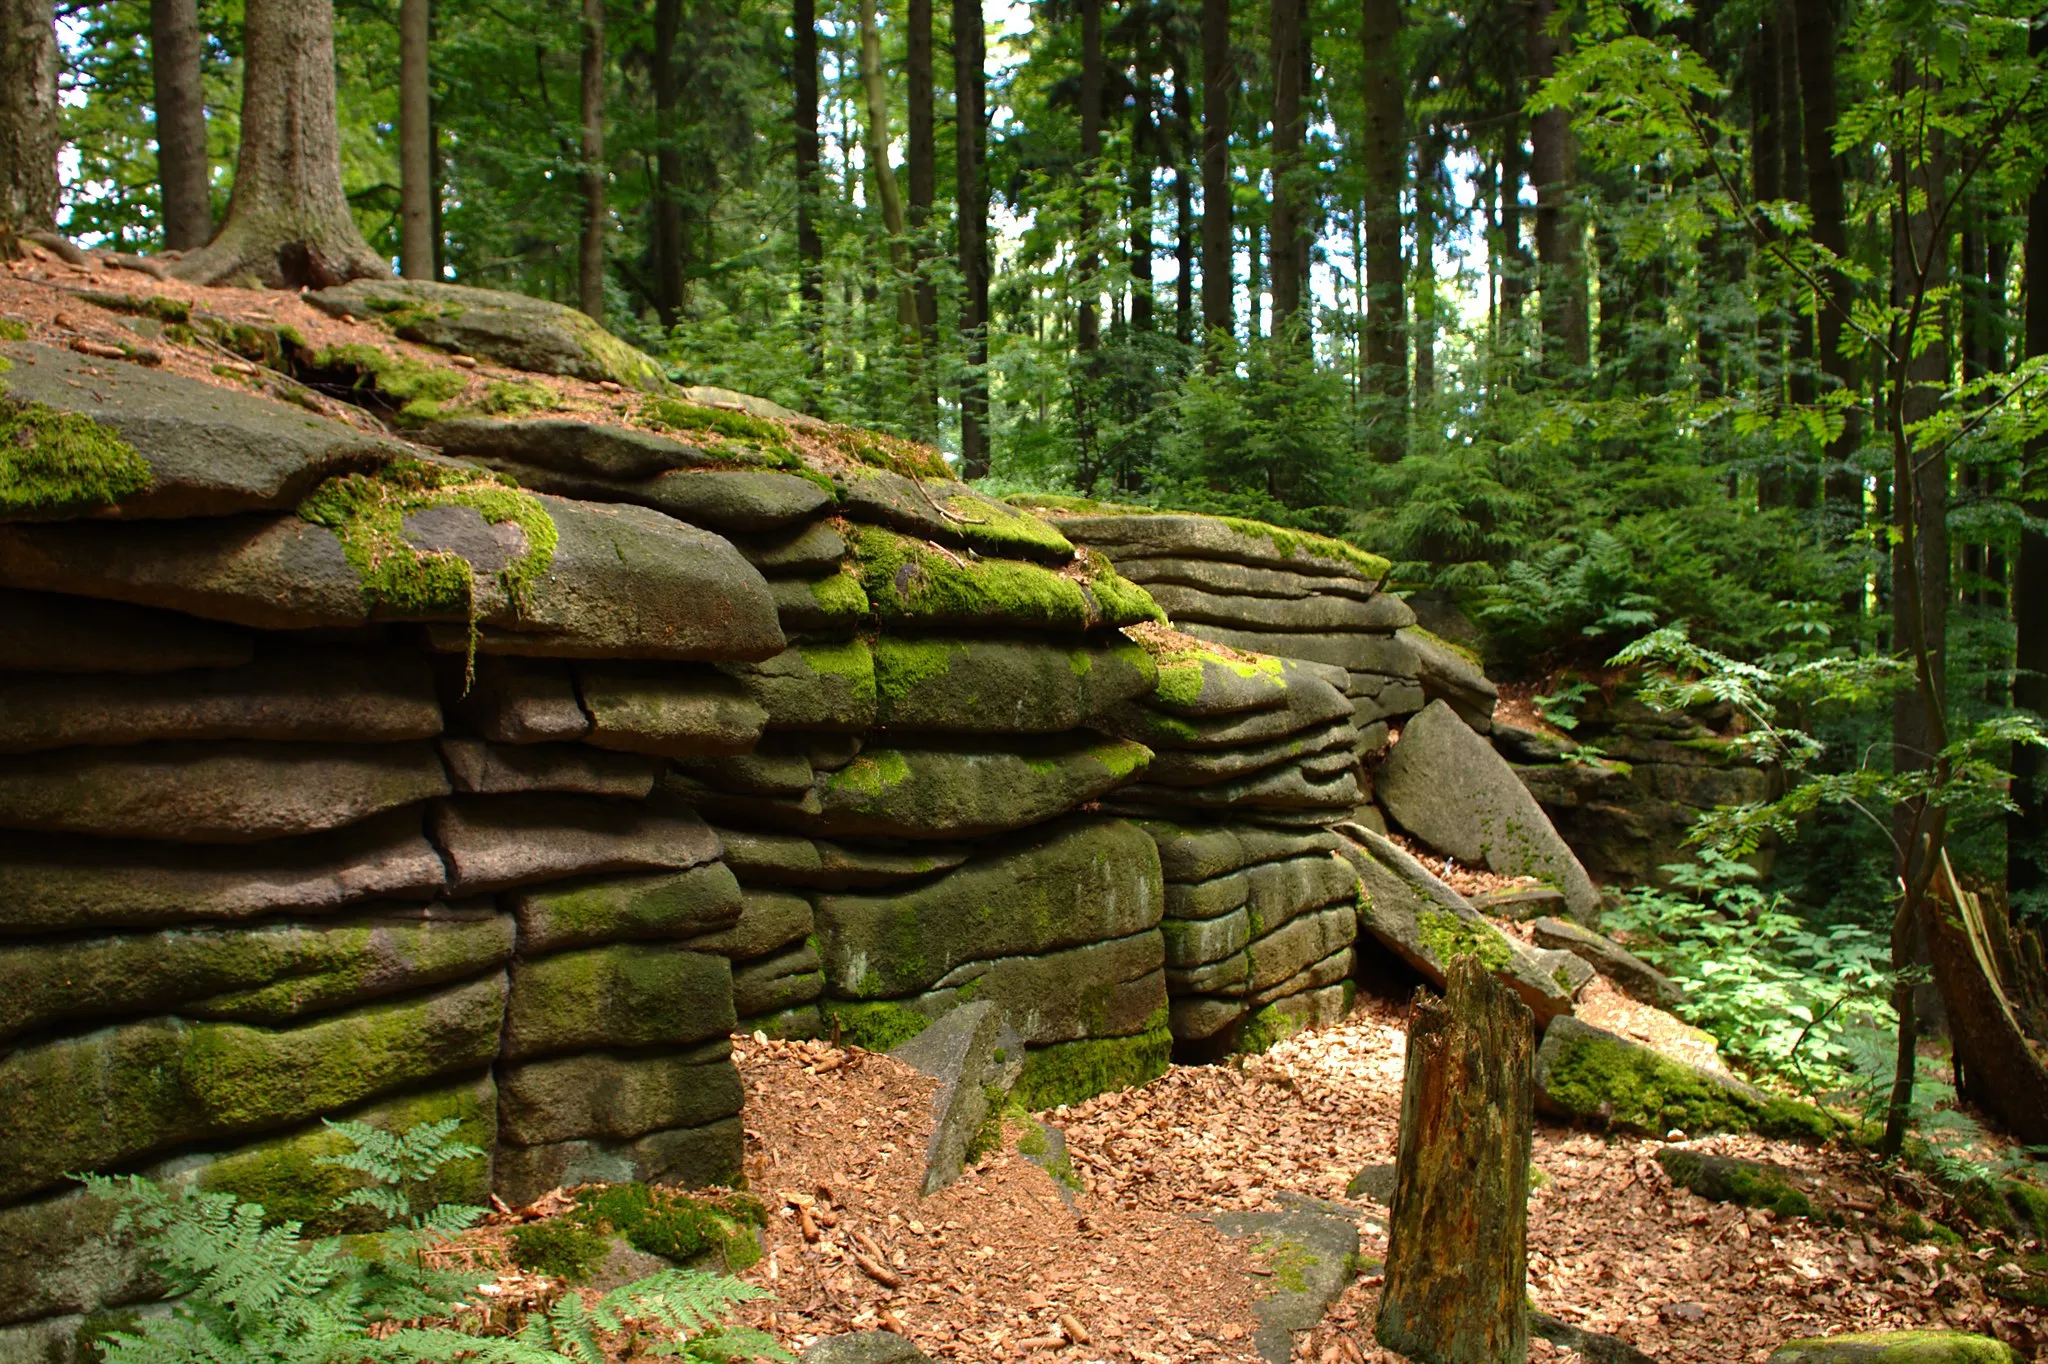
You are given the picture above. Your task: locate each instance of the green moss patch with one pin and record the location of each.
(367, 514)
(514, 398)
(880, 451)
(559, 1248)
(1291, 543)
(1634, 1088)
(11, 330)
(1068, 1072)
(874, 1025)
(912, 582)
(1447, 938)
(53, 462)
(1263, 1031)
(1121, 601)
(675, 1225)
(415, 389)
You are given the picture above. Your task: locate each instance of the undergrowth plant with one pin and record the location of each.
(249, 1291)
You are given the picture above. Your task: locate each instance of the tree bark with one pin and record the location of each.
(29, 128)
(1998, 1067)
(1430, 151)
(1183, 200)
(2026, 829)
(1219, 242)
(970, 190)
(1457, 1256)
(669, 268)
(288, 224)
(922, 169)
(1515, 272)
(810, 248)
(1285, 38)
(1144, 159)
(875, 87)
(1827, 197)
(181, 162)
(1560, 250)
(1385, 158)
(590, 260)
(1088, 326)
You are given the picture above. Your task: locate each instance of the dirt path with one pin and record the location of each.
(990, 1267)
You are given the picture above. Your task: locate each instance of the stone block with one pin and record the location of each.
(1379, 614)
(1309, 938)
(1356, 652)
(951, 513)
(58, 634)
(525, 701)
(668, 712)
(1192, 942)
(689, 1156)
(1187, 535)
(1239, 580)
(1102, 989)
(498, 842)
(792, 860)
(622, 995)
(1209, 767)
(487, 769)
(814, 548)
(1004, 686)
(814, 685)
(661, 906)
(610, 1096)
(768, 920)
(786, 980)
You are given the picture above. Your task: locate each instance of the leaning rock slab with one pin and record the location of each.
(1898, 1347)
(1588, 1073)
(214, 793)
(201, 449)
(1450, 677)
(514, 330)
(1634, 975)
(1448, 787)
(1310, 1256)
(959, 1052)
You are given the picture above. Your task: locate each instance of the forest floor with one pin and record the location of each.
(999, 1267)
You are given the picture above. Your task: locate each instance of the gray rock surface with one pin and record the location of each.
(771, 984)
(1207, 767)
(1354, 651)
(525, 701)
(814, 685)
(768, 920)
(1627, 970)
(48, 633)
(1100, 989)
(564, 445)
(958, 1051)
(951, 513)
(1200, 852)
(1596, 1347)
(1005, 686)
(1379, 613)
(864, 1347)
(618, 995)
(813, 549)
(690, 1156)
(616, 1096)
(497, 842)
(1185, 536)
(1308, 701)
(1236, 579)
(233, 792)
(793, 860)
(486, 769)
(1311, 1257)
(662, 906)
(668, 712)
(1450, 677)
(211, 450)
(1447, 786)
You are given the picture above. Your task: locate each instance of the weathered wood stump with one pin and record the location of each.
(1457, 1251)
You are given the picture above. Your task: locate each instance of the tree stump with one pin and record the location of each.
(1457, 1253)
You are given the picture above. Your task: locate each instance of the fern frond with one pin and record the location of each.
(728, 1345)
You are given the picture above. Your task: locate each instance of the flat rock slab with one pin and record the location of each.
(616, 1096)
(668, 712)
(486, 769)
(496, 842)
(49, 633)
(1306, 702)
(1183, 536)
(525, 701)
(214, 793)
(1379, 613)
(620, 995)
(951, 513)
(661, 906)
(771, 985)
(1355, 651)
(1451, 677)
(566, 446)
(1235, 579)
(313, 694)
(768, 920)
(1898, 1347)
(208, 450)
(864, 1347)
(1428, 925)
(688, 1156)
(1446, 785)
(1005, 686)
(1200, 852)
(1310, 1258)
(793, 860)
(730, 501)
(959, 1052)
(514, 330)
(1100, 989)
(814, 685)
(1627, 970)
(814, 548)
(1088, 881)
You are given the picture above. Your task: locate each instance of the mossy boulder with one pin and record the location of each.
(951, 513)
(814, 685)
(655, 906)
(831, 604)
(1223, 577)
(1307, 702)
(914, 585)
(69, 883)
(1004, 686)
(80, 439)
(273, 973)
(514, 330)
(934, 793)
(1898, 1347)
(619, 995)
(1730, 1179)
(1354, 651)
(727, 500)
(1068, 1072)
(48, 633)
(231, 792)
(125, 1092)
(1447, 786)
(768, 920)
(493, 843)
(1183, 535)
(690, 1156)
(1199, 682)
(617, 1096)
(668, 712)
(1318, 614)
(1087, 881)
(1587, 1073)
(813, 548)
(792, 860)
(1100, 989)
(786, 980)
(308, 695)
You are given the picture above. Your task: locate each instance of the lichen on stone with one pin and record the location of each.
(367, 514)
(1447, 937)
(52, 461)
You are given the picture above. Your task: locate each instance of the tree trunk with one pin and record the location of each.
(590, 261)
(1457, 1256)
(1560, 250)
(923, 173)
(1285, 222)
(1826, 196)
(288, 223)
(1430, 151)
(1385, 159)
(1144, 160)
(1799, 384)
(970, 87)
(875, 87)
(1971, 941)
(1219, 82)
(669, 267)
(810, 248)
(1514, 264)
(29, 130)
(1183, 200)
(181, 162)
(1088, 327)
(2026, 829)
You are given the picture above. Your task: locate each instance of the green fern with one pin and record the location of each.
(251, 1293)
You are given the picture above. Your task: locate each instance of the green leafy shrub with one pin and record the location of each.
(250, 1291)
